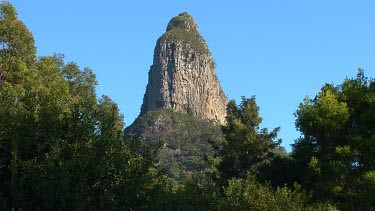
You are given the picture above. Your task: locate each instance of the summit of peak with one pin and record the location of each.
(182, 21)
(182, 77)
(183, 28)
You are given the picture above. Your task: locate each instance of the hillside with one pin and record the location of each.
(186, 140)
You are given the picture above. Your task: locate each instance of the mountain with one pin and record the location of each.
(182, 77)
(184, 105)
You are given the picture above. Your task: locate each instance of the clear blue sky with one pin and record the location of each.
(279, 51)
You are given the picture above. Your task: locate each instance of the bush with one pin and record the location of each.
(248, 194)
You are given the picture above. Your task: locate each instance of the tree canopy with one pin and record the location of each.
(246, 146)
(60, 146)
(337, 149)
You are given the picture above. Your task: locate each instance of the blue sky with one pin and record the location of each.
(279, 51)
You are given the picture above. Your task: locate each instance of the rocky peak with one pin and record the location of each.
(183, 21)
(183, 28)
(182, 76)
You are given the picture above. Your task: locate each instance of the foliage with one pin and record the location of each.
(199, 193)
(60, 147)
(182, 29)
(336, 152)
(177, 22)
(246, 147)
(178, 35)
(63, 149)
(248, 194)
(187, 141)
(16, 42)
(279, 170)
(202, 193)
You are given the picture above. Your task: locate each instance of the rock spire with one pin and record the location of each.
(182, 77)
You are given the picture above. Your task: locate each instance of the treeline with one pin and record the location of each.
(62, 148)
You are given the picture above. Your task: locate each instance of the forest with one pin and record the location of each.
(62, 147)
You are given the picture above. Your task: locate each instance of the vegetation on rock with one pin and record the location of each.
(183, 29)
(186, 141)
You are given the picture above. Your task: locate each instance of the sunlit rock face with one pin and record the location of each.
(182, 77)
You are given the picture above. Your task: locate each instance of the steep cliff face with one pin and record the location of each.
(182, 77)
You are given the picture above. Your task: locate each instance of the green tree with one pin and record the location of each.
(248, 194)
(17, 56)
(279, 170)
(16, 44)
(60, 147)
(246, 146)
(68, 151)
(198, 193)
(336, 153)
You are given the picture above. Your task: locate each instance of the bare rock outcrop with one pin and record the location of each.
(182, 77)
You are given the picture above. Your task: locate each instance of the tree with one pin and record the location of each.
(17, 56)
(246, 147)
(249, 194)
(16, 44)
(60, 147)
(337, 149)
(67, 150)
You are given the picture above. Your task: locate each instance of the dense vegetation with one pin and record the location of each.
(186, 140)
(336, 155)
(62, 148)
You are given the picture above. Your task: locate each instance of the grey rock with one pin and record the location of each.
(182, 77)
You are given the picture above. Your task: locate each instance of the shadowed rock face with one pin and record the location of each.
(182, 77)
